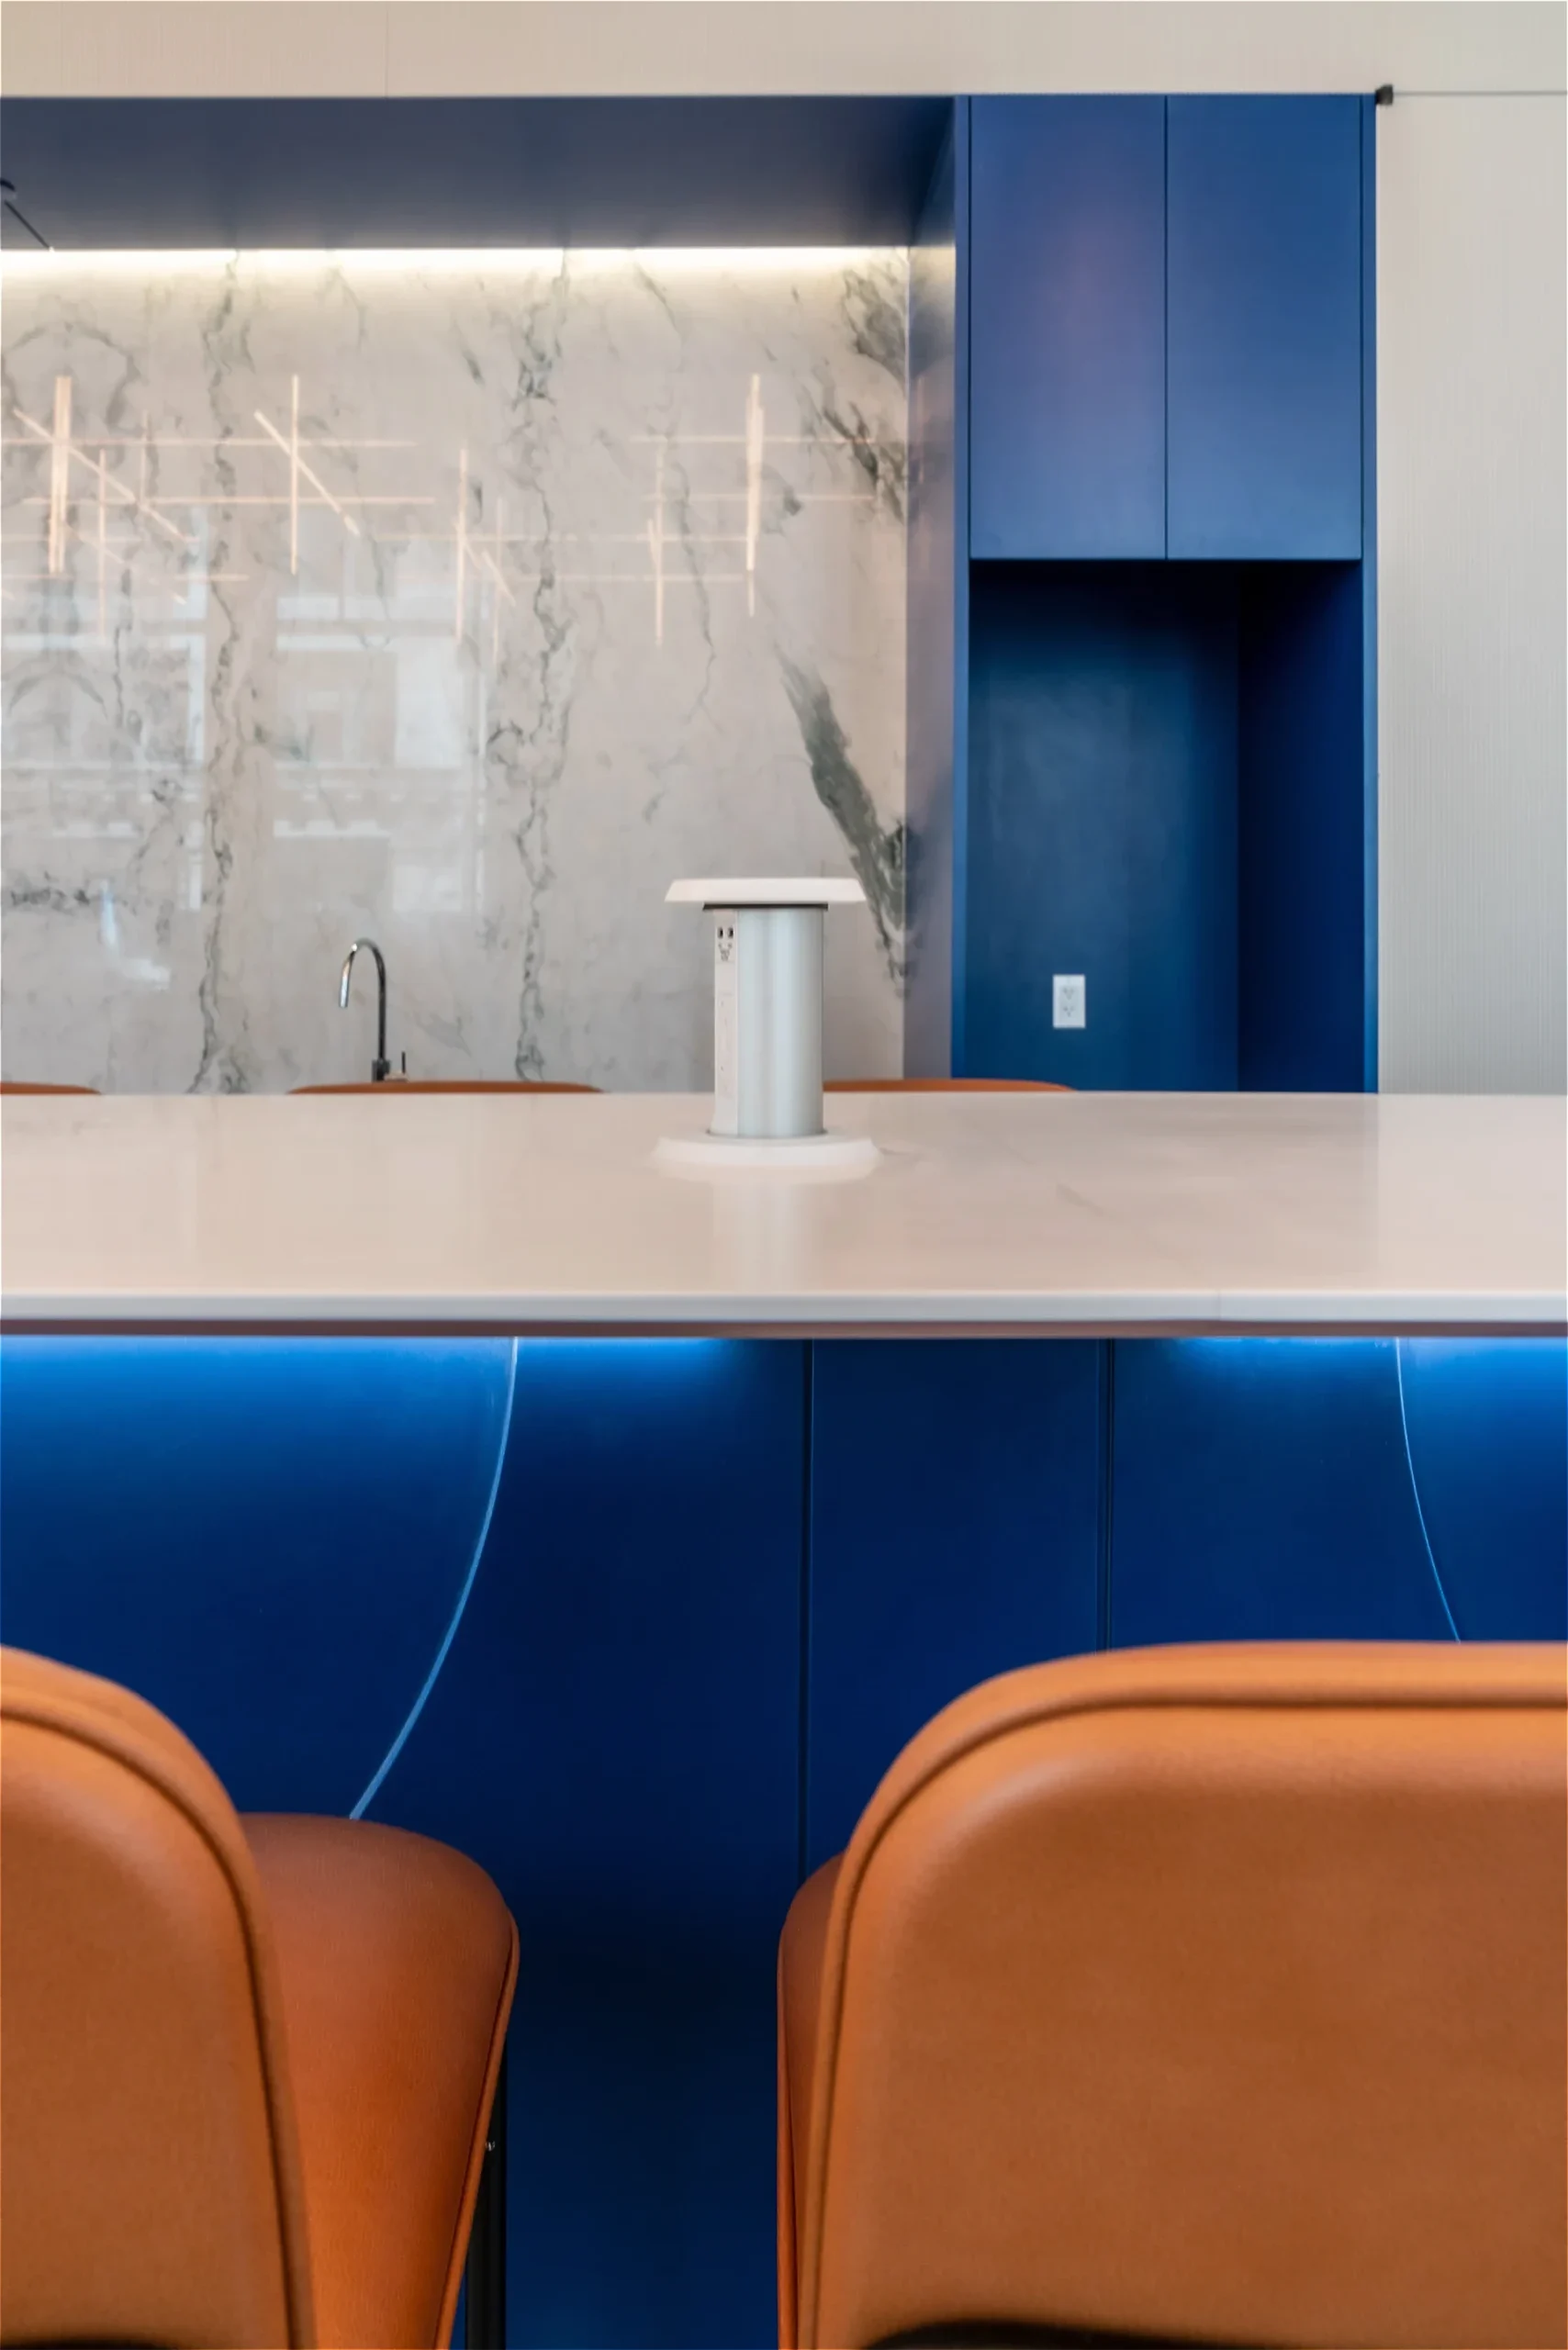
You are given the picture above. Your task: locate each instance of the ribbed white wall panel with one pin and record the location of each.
(1472, 411)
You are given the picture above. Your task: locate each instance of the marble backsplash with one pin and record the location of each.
(462, 600)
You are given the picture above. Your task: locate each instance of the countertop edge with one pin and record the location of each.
(1171, 1314)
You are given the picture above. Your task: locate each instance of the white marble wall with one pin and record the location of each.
(465, 600)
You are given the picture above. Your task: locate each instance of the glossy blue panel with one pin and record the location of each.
(954, 1534)
(1302, 940)
(615, 1738)
(1369, 112)
(1488, 1423)
(1102, 823)
(936, 553)
(1264, 391)
(266, 1538)
(963, 124)
(270, 1539)
(1067, 415)
(473, 170)
(1262, 1490)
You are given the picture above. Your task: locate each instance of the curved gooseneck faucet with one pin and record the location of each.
(380, 1067)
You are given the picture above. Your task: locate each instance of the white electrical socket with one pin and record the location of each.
(1067, 1005)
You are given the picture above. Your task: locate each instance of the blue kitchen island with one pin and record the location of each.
(447, 1463)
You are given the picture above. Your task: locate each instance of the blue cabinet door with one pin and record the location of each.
(1264, 233)
(1067, 328)
(1263, 1489)
(1287, 1489)
(615, 1737)
(483, 1597)
(954, 1533)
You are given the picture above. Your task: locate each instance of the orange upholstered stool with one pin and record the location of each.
(248, 2066)
(1202, 1996)
(453, 1085)
(943, 1085)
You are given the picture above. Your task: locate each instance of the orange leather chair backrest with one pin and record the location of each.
(452, 1085)
(141, 2062)
(943, 1085)
(14, 1085)
(1208, 1995)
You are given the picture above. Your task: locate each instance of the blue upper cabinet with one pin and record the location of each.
(1066, 333)
(1265, 288)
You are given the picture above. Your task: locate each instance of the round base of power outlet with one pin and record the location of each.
(832, 1157)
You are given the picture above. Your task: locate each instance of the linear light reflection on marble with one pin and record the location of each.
(503, 584)
(667, 261)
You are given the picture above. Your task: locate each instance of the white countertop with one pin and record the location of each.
(1054, 1212)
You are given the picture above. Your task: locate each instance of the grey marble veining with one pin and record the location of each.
(465, 600)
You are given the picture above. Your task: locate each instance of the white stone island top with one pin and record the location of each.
(1008, 1213)
(803, 892)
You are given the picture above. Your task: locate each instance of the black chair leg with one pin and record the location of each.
(485, 2277)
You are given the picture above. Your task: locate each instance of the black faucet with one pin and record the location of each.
(380, 1067)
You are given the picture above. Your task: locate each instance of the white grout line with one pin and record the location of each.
(756, 442)
(294, 477)
(59, 473)
(462, 542)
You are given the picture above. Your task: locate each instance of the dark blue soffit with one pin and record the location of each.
(206, 173)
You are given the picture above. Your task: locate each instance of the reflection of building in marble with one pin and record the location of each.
(464, 599)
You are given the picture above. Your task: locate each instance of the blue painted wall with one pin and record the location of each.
(720, 1585)
(1304, 977)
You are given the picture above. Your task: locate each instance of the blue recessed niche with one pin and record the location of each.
(1159, 776)
(1165, 798)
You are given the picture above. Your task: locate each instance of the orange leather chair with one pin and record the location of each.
(450, 1085)
(248, 2066)
(943, 1085)
(1209, 1995)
